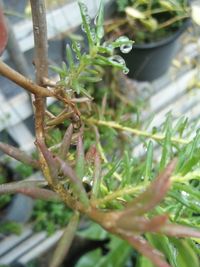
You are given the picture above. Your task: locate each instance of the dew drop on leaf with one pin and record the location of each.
(93, 35)
(125, 70)
(76, 46)
(84, 8)
(117, 59)
(95, 20)
(126, 47)
(88, 19)
(83, 28)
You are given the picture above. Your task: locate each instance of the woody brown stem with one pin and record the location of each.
(22, 81)
(41, 61)
(41, 64)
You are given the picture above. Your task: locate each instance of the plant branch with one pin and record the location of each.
(112, 124)
(22, 81)
(41, 61)
(19, 155)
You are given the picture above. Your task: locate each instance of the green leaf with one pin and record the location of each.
(186, 256)
(144, 262)
(149, 160)
(65, 242)
(112, 169)
(117, 256)
(166, 152)
(80, 159)
(60, 71)
(186, 200)
(86, 23)
(99, 22)
(163, 243)
(69, 56)
(77, 49)
(97, 175)
(134, 13)
(79, 89)
(90, 79)
(127, 169)
(189, 189)
(180, 126)
(123, 40)
(189, 156)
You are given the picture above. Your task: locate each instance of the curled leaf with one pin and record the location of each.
(64, 148)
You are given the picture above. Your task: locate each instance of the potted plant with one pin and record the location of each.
(155, 26)
(150, 206)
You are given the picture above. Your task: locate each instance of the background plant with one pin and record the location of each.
(116, 190)
(147, 21)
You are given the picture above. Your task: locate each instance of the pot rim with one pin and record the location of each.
(166, 40)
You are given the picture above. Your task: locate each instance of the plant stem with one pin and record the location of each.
(112, 124)
(171, 21)
(41, 64)
(141, 187)
(22, 81)
(41, 61)
(120, 193)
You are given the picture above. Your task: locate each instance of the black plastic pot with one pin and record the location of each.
(147, 62)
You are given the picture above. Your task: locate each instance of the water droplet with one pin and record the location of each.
(88, 19)
(100, 32)
(117, 59)
(95, 20)
(84, 8)
(125, 70)
(83, 28)
(184, 194)
(126, 47)
(76, 46)
(93, 35)
(122, 39)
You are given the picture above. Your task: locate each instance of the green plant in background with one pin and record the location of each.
(99, 54)
(50, 216)
(4, 199)
(150, 203)
(152, 20)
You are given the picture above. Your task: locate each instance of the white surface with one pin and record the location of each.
(58, 22)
